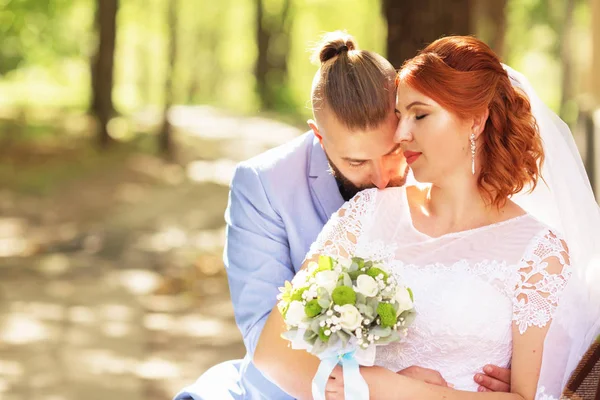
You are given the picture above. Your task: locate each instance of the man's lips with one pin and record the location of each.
(411, 156)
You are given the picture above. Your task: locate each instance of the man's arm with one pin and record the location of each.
(256, 254)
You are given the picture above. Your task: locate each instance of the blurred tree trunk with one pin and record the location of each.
(567, 82)
(273, 40)
(490, 23)
(413, 24)
(103, 66)
(593, 129)
(165, 136)
(595, 71)
(145, 9)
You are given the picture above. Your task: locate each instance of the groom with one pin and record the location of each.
(280, 200)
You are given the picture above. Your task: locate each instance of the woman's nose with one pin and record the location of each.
(402, 133)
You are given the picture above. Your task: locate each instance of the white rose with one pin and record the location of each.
(295, 313)
(300, 279)
(344, 262)
(403, 299)
(366, 285)
(350, 317)
(327, 280)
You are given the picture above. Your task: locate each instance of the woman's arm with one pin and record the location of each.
(526, 363)
(293, 370)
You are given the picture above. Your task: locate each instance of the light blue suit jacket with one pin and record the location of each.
(278, 203)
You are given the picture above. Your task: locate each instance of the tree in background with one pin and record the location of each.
(490, 23)
(595, 75)
(273, 40)
(165, 136)
(413, 24)
(103, 67)
(565, 27)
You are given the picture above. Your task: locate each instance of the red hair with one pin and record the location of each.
(464, 76)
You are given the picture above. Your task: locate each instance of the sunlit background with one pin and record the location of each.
(120, 126)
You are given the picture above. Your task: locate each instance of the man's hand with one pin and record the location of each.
(495, 379)
(425, 375)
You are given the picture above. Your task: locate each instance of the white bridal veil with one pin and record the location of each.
(565, 201)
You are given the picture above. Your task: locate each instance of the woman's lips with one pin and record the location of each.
(411, 156)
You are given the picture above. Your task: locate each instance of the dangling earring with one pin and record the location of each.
(472, 153)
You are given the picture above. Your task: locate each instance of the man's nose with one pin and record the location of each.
(381, 176)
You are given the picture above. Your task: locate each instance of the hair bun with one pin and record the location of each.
(333, 44)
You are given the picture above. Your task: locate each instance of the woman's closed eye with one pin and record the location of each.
(420, 117)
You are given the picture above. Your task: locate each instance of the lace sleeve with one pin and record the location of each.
(340, 235)
(542, 276)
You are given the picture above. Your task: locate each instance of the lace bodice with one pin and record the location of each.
(470, 287)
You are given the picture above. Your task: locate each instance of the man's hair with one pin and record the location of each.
(357, 86)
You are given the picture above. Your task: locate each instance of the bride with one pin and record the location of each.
(498, 246)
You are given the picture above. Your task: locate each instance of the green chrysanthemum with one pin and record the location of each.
(343, 295)
(387, 314)
(374, 272)
(312, 308)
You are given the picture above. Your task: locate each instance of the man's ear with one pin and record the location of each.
(313, 126)
(479, 123)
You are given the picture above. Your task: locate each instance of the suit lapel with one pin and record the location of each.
(324, 187)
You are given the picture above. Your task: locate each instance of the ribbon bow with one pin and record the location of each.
(355, 386)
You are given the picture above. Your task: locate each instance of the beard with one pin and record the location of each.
(348, 189)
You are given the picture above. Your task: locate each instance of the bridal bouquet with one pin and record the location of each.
(340, 310)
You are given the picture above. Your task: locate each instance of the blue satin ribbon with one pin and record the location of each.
(355, 386)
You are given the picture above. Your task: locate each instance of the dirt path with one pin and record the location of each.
(113, 288)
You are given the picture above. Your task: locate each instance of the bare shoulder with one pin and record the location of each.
(510, 210)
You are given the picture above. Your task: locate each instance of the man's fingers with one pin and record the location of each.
(499, 373)
(491, 384)
(424, 374)
(333, 385)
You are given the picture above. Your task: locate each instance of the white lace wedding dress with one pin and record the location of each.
(470, 287)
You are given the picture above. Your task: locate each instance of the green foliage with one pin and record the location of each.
(374, 272)
(47, 46)
(297, 294)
